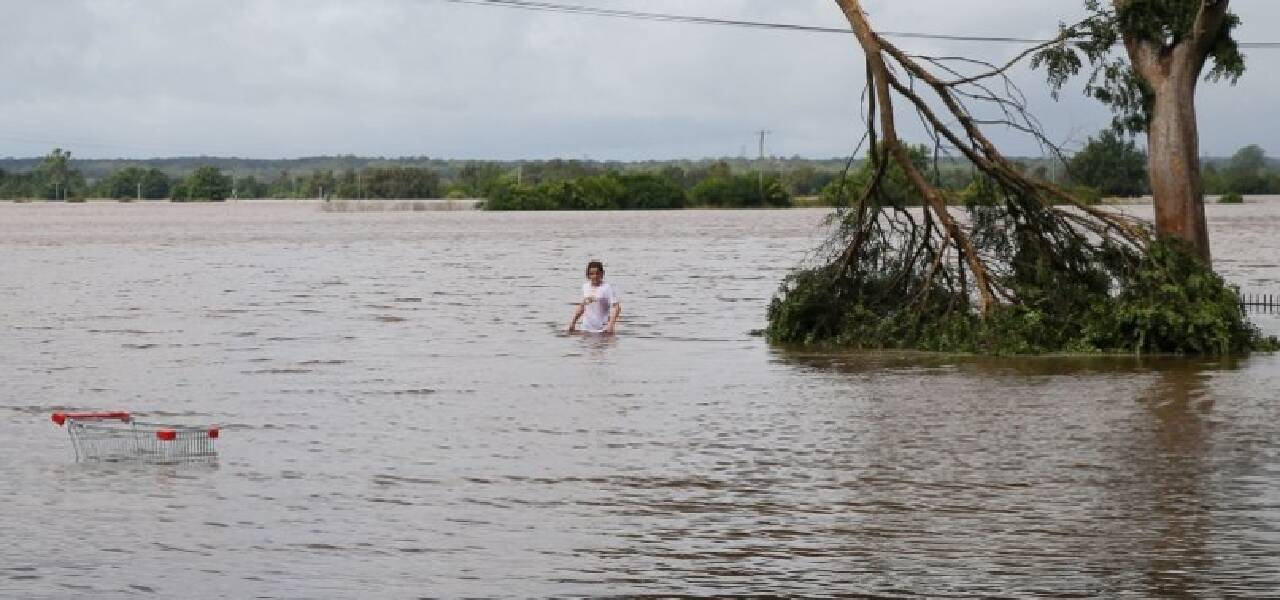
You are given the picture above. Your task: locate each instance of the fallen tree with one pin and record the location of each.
(1022, 267)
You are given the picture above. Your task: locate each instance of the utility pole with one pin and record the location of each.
(139, 191)
(760, 162)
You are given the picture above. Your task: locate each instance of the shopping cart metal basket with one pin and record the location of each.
(117, 436)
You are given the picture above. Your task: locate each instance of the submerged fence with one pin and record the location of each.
(1266, 303)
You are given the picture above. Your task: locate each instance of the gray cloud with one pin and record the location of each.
(272, 78)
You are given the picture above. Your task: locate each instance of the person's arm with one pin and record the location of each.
(614, 313)
(577, 314)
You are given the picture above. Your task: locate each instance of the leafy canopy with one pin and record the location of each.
(207, 183)
(1112, 165)
(893, 189)
(1099, 41)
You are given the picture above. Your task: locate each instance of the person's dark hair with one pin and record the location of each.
(596, 264)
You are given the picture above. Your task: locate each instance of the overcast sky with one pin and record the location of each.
(289, 78)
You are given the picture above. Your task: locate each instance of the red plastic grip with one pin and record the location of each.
(213, 433)
(166, 435)
(61, 418)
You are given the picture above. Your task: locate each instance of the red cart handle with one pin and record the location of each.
(168, 435)
(61, 418)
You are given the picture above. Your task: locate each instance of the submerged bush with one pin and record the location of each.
(739, 191)
(1170, 302)
(606, 191)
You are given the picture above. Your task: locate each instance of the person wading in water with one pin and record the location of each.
(599, 303)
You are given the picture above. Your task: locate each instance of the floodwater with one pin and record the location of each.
(402, 417)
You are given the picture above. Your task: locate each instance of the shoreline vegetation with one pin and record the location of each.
(1107, 171)
(475, 204)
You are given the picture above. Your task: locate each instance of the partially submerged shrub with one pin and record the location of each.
(1168, 302)
(606, 191)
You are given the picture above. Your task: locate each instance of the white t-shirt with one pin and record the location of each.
(598, 302)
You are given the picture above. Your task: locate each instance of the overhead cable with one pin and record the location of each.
(535, 5)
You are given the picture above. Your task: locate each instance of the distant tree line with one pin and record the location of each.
(1108, 165)
(1247, 172)
(571, 186)
(1116, 167)
(961, 186)
(51, 179)
(542, 185)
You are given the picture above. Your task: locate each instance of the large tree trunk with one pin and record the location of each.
(1173, 143)
(1173, 150)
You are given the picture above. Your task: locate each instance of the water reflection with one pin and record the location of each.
(863, 362)
(1170, 461)
(598, 342)
(1197, 454)
(1125, 459)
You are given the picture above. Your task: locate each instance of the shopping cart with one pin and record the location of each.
(116, 436)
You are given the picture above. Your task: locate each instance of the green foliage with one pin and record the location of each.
(479, 180)
(54, 179)
(651, 191)
(559, 170)
(1231, 198)
(249, 187)
(739, 191)
(588, 193)
(895, 188)
(1098, 41)
(319, 184)
(1086, 194)
(130, 182)
(981, 191)
(1111, 165)
(806, 180)
(205, 184)
(15, 185)
(1173, 303)
(600, 192)
(1247, 171)
(382, 182)
(401, 182)
(716, 170)
(521, 197)
(606, 191)
(1167, 302)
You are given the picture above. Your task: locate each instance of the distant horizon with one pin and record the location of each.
(429, 157)
(75, 158)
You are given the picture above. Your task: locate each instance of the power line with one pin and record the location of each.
(535, 5)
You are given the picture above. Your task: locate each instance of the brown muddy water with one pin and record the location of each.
(403, 417)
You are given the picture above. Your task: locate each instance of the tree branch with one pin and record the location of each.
(1144, 54)
(873, 49)
(1208, 24)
